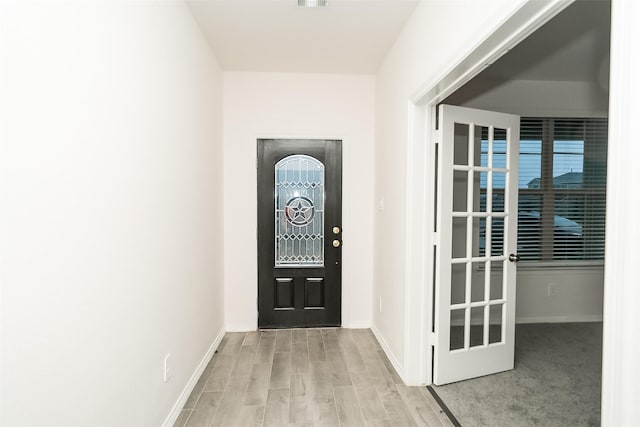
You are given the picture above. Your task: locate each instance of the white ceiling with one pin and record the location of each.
(573, 46)
(353, 36)
(347, 36)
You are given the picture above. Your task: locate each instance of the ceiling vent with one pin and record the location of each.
(313, 3)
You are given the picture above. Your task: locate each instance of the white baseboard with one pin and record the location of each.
(186, 392)
(240, 328)
(542, 319)
(357, 325)
(387, 350)
(560, 319)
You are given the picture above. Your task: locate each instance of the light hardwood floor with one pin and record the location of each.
(306, 377)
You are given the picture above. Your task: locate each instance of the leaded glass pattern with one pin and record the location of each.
(299, 215)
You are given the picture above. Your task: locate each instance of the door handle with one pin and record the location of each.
(514, 257)
(336, 243)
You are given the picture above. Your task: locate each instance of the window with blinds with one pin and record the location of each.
(562, 188)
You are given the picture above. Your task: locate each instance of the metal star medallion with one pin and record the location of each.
(299, 211)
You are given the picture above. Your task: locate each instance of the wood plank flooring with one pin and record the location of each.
(306, 377)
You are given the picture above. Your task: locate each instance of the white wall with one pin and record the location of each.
(429, 45)
(275, 105)
(559, 295)
(111, 121)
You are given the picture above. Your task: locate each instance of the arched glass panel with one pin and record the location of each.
(299, 216)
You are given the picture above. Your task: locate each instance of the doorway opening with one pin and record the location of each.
(557, 80)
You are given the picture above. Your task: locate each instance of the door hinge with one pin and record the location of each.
(436, 136)
(433, 338)
(435, 238)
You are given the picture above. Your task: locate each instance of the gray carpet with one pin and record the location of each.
(556, 381)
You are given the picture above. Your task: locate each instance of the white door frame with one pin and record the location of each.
(621, 348)
(420, 211)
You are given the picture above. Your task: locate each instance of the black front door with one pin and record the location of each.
(299, 232)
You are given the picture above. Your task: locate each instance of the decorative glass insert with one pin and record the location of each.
(299, 216)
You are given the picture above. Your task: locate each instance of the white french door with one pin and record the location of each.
(475, 258)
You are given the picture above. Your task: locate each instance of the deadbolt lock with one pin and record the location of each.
(336, 243)
(336, 230)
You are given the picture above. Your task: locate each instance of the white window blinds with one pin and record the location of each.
(562, 183)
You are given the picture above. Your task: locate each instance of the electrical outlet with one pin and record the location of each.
(167, 367)
(552, 289)
(380, 304)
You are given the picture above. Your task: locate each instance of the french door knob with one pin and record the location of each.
(514, 258)
(336, 243)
